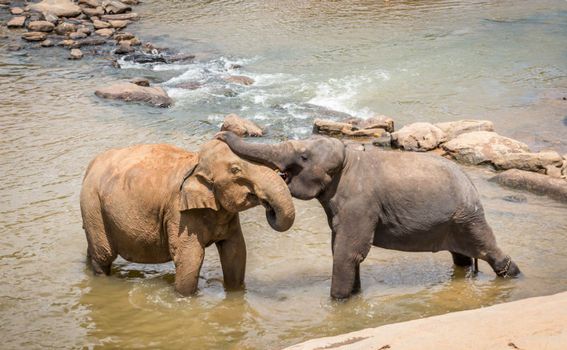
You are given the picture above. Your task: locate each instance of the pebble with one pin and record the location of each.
(41, 26)
(16, 11)
(106, 32)
(34, 36)
(76, 54)
(100, 24)
(47, 43)
(119, 24)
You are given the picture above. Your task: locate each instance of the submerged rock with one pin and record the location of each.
(239, 79)
(240, 126)
(16, 22)
(140, 57)
(59, 8)
(515, 198)
(190, 85)
(483, 147)
(533, 182)
(456, 128)
(418, 137)
(47, 43)
(154, 96)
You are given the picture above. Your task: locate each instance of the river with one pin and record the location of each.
(505, 61)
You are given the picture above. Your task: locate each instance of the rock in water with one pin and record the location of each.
(75, 54)
(34, 36)
(419, 137)
(91, 3)
(47, 43)
(483, 147)
(65, 27)
(154, 96)
(16, 22)
(533, 182)
(240, 79)
(59, 8)
(105, 32)
(41, 26)
(240, 126)
(16, 11)
(115, 7)
(456, 128)
(140, 81)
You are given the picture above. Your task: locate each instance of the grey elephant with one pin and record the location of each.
(157, 203)
(396, 200)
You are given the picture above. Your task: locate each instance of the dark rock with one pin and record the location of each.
(181, 57)
(533, 182)
(89, 42)
(131, 2)
(139, 57)
(240, 126)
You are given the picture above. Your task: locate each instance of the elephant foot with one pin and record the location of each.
(506, 268)
(461, 260)
(98, 268)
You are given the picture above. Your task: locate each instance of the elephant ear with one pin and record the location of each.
(197, 191)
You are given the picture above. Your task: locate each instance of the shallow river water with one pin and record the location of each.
(412, 60)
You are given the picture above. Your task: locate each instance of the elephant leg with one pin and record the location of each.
(482, 245)
(188, 259)
(100, 253)
(232, 252)
(348, 252)
(461, 260)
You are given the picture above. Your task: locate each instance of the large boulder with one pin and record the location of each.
(533, 182)
(483, 147)
(537, 162)
(59, 8)
(154, 96)
(240, 126)
(419, 137)
(458, 127)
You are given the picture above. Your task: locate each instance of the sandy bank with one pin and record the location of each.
(535, 323)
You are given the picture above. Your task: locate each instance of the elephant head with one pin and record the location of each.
(308, 166)
(222, 179)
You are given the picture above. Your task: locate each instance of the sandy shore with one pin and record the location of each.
(534, 323)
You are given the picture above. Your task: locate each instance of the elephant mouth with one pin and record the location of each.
(285, 175)
(253, 198)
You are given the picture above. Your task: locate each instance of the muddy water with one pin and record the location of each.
(414, 60)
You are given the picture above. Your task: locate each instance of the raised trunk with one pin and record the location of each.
(275, 156)
(275, 196)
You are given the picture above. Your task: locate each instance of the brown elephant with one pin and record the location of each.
(157, 203)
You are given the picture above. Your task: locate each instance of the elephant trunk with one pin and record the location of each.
(275, 197)
(275, 156)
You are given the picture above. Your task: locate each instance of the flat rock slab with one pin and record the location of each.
(34, 36)
(534, 323)
(418, 137)
(240, 126)
(483, 147)
(16, 22)
(154, 96)
(533, 182)
(59, 8)
(537, 162)
(131, 16)
(456, 128)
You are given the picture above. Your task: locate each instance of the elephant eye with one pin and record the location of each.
(235, 170)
